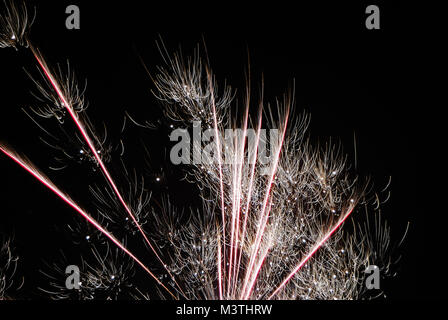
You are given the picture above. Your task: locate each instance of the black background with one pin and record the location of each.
(350, 79)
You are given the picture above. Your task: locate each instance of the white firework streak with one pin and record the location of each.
(8, 267)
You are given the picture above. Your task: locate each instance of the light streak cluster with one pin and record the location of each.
(8, 266)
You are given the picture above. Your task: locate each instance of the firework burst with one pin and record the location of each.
(281, 226)
(15, 23)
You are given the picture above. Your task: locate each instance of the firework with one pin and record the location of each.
(281, 226)
(15, 23)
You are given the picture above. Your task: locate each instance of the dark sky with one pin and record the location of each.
(351, 80)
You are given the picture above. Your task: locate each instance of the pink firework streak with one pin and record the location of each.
(218, 147)
(45, 181)
(313, 251)
(264, 215)
(89, 142)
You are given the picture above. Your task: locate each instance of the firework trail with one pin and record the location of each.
(270, 226)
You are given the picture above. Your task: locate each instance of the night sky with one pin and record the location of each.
(352, 81)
